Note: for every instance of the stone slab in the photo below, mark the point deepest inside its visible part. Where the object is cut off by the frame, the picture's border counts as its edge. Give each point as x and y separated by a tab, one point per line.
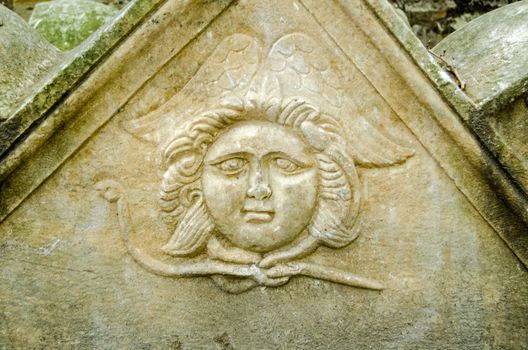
488	57
252	178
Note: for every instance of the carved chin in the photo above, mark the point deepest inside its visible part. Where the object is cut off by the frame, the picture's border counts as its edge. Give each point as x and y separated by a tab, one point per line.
260	233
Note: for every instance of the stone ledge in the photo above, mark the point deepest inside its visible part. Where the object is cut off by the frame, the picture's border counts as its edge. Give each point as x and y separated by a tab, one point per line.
71	71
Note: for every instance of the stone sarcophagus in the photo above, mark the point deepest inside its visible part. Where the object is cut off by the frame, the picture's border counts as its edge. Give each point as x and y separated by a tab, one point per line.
256	175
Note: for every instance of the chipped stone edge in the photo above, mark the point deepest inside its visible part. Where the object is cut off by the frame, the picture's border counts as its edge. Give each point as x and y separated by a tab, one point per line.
441	79
493	173
495	102
55	85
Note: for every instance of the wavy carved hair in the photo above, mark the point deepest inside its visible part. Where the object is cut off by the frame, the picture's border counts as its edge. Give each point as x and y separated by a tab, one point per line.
183	158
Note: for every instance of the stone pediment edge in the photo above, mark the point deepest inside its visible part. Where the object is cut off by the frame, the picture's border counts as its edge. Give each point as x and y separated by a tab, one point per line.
455	148
479	45
73	119
468	110
65	76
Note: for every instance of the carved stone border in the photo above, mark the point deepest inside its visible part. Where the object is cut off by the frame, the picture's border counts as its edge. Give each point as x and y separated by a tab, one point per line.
434	121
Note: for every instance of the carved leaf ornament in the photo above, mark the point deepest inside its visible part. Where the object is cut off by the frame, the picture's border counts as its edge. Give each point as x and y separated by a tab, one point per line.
260	173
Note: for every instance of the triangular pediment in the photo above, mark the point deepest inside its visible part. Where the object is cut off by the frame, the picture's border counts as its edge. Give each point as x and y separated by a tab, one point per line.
256	141
164	54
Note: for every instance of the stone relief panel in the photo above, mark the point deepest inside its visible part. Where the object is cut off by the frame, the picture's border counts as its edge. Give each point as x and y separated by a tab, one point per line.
261	172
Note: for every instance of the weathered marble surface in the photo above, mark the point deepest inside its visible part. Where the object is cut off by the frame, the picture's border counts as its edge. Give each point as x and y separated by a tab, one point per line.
25	57
483	152
507	133
29	113
68	279
189	103
488	56
489	59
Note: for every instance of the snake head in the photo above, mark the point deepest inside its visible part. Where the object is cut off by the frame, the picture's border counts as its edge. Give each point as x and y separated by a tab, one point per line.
110	190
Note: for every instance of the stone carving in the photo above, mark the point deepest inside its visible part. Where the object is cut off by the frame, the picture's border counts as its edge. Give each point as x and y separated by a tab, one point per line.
258	170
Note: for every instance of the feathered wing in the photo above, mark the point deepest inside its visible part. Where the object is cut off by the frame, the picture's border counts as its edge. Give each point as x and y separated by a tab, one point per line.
227	72
371	149
306	71
296	69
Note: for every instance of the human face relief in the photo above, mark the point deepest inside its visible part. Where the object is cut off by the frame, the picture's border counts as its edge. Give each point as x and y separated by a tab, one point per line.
260	185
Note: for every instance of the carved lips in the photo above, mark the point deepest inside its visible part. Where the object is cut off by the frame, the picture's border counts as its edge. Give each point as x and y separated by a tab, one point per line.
257	213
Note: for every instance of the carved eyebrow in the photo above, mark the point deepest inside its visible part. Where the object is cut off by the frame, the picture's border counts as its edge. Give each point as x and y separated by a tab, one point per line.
244	155
279	154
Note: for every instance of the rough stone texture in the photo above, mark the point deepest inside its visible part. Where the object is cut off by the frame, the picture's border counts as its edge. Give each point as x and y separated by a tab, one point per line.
7	3
47	92
449	86
486	58
25	57
499	182
507	135
24	9
67	279
67	23
170	102
432	21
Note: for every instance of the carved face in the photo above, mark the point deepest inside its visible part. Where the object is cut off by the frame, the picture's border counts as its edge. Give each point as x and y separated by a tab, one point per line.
260	185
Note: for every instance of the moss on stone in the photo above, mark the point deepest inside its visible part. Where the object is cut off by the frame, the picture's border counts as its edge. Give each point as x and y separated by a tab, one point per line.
64	76
67	23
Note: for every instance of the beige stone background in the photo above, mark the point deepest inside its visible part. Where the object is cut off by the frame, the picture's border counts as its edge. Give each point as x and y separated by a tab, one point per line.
67	280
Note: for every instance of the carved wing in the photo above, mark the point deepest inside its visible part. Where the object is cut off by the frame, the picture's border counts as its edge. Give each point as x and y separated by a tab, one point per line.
370	148
228	71
304	69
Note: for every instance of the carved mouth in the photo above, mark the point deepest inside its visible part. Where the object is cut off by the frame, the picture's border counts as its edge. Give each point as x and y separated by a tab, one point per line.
256	216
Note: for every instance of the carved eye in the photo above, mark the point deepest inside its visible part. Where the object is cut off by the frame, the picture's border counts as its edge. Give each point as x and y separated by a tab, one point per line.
231	166
286	165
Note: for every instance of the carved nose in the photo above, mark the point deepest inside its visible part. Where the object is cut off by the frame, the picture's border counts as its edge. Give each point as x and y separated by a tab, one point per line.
259	191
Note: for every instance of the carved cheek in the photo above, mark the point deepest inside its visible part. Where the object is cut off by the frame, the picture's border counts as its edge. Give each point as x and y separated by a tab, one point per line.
295	196
224	195
297	182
